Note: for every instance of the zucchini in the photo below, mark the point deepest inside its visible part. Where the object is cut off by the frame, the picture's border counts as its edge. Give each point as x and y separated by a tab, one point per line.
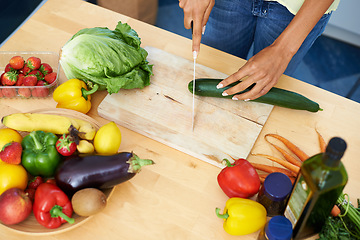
276	96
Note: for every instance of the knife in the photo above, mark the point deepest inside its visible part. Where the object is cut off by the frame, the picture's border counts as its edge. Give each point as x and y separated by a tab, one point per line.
193	100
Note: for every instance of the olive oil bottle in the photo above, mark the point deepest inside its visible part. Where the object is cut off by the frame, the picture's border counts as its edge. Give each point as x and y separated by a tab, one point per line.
319	184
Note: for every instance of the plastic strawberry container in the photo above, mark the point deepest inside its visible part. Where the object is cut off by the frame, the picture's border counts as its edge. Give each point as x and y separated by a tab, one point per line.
26	92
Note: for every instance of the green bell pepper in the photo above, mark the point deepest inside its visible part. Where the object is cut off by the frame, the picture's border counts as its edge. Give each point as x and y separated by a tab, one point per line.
39	156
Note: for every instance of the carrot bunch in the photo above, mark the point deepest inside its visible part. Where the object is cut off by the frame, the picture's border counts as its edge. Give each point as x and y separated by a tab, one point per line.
291	163
293	157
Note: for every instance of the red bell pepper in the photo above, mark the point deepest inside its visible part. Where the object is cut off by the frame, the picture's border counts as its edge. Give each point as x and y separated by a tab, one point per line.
52	206
239	179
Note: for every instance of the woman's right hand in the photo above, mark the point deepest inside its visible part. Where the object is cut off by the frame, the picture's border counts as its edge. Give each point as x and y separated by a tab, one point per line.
197	12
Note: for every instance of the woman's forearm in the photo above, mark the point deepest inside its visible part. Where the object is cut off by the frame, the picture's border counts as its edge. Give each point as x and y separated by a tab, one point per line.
301	25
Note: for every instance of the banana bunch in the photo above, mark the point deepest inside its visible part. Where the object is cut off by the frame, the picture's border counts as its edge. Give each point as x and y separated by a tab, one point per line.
56	124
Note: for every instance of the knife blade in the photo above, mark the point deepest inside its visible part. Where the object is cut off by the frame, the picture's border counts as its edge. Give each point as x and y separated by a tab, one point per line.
193	100
194	68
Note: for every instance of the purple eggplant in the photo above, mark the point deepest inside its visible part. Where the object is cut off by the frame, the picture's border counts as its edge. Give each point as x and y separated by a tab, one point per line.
97	171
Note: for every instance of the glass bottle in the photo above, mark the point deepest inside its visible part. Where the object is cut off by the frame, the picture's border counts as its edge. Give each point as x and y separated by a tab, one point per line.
321	180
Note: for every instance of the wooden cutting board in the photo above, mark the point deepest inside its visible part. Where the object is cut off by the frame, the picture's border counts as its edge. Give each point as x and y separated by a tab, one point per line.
163	112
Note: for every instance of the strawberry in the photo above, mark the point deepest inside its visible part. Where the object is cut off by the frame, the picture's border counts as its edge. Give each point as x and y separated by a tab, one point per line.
45	68
20	79
38	74
50	78
40	91
1	77
9	92
17	62
30	80
33	63
26	70
9	78
24	92
30	193
11	153
8	68
35	182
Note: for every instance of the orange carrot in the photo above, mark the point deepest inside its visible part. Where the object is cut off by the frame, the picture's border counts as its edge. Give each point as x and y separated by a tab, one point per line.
321	141
262	177
271	169
335	211
292	147
284	163
287	155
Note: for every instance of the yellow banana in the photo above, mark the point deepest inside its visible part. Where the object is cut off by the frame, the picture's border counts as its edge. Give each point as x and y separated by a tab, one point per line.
56	124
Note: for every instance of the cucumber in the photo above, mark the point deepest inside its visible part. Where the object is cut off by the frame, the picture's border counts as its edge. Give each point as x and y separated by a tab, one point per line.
276	96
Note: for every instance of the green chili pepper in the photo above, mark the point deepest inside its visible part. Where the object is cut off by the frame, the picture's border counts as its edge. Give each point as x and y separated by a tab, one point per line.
39	155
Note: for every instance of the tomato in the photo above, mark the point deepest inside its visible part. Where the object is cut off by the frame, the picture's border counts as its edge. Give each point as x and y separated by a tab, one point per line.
12	176
107	139
9	135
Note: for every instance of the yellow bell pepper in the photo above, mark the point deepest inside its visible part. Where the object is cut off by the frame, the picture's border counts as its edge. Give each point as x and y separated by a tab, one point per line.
73	94
242	216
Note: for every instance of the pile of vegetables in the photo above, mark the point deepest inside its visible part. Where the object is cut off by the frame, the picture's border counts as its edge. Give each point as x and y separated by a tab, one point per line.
63	178
240	180
107	59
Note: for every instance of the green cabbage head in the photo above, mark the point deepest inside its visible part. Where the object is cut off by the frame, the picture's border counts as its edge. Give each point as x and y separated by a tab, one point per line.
106	59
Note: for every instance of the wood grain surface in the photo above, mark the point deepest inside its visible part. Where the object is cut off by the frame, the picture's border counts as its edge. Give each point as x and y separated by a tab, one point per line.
163	112
175	198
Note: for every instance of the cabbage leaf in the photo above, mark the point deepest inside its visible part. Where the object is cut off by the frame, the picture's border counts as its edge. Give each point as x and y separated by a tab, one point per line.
107	59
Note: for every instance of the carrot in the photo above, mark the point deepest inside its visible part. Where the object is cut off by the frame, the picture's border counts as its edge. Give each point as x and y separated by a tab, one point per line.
292	179
335	211
292	147
287	155
284	163
271	169
262	177
321	141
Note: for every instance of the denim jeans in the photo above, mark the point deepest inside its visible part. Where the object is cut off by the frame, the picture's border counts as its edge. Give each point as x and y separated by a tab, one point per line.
235	25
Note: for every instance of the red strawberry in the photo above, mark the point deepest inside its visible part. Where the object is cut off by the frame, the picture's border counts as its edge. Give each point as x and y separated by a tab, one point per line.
33	63
11	153
45	68
38	74
9	78
1	77
20	79
24	92
31	193
40	90
17	62
26	70
51	77
9	92
8	68
30	80
35	182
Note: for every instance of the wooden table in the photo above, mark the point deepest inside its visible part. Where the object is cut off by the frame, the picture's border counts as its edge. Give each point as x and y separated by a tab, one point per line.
176	198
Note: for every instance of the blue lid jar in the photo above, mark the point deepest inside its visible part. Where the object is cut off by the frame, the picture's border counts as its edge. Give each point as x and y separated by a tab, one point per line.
274	193
279	228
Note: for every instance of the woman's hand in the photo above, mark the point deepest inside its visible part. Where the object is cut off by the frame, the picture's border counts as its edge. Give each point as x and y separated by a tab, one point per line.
197	12
264	69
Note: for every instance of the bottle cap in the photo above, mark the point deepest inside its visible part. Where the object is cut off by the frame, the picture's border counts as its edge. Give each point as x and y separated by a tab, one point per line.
279	228
277	186
335	151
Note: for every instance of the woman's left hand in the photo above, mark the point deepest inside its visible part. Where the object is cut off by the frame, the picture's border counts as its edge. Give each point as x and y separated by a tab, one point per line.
264	69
